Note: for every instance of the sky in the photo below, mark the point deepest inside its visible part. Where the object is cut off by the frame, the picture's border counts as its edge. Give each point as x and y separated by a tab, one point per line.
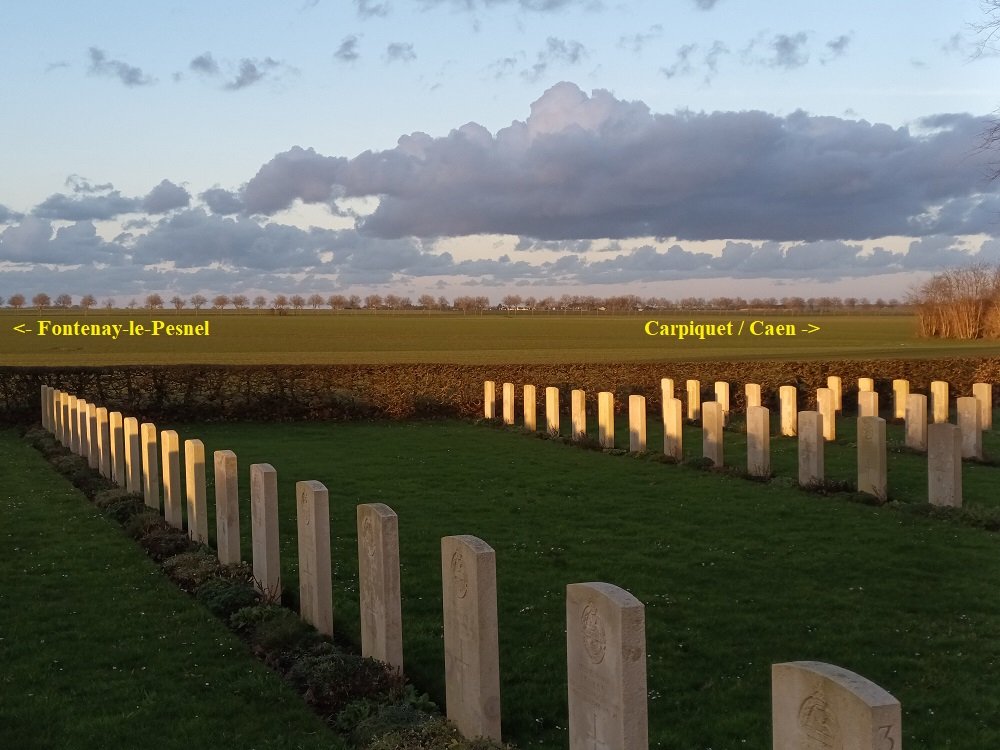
491	147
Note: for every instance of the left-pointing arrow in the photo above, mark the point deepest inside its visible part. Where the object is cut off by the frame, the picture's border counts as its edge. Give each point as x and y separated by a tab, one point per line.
21	328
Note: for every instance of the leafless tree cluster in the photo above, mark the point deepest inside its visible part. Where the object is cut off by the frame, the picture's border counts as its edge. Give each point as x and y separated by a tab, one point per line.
963	303
989	41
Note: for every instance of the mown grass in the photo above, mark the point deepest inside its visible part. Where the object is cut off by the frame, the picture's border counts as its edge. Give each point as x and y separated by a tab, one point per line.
99	650
735	575
322	337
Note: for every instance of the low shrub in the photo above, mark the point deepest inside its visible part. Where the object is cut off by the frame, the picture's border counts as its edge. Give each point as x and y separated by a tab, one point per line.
144	523
435	734
189	570
163	542
225	596
330	679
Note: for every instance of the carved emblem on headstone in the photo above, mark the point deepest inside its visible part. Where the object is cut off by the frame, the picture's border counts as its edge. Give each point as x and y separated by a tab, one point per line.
458	575
594	638
818	724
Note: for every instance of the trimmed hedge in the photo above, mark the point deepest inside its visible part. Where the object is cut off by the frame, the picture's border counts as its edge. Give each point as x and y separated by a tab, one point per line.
341	392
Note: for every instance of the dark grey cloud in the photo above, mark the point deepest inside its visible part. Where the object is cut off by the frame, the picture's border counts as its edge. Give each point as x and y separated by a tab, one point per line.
8	216
348	49
205	64
34	240
597	167
79	184
165	197
130	75
86	207
400	52
223	202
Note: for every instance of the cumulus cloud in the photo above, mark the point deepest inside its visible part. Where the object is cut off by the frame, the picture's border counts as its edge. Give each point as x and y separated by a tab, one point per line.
130	75
371	8
165	197
598	167
788	50
223	202
7	215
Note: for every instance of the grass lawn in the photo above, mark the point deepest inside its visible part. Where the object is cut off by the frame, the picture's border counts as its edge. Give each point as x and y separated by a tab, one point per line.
322	337
99	650
735	575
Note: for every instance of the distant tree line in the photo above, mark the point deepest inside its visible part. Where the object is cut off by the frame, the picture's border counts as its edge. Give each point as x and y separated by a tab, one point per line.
963	303
465	304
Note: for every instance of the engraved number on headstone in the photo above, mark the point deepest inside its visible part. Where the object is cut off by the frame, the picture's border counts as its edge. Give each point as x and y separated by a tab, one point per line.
885	741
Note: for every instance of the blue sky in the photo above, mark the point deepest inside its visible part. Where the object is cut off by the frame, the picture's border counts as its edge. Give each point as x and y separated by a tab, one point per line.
494	146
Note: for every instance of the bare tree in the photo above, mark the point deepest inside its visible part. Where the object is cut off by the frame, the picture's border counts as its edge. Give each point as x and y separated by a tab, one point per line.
41	300
87	301
64	301
178	302
259	302
426	301
109	303
353	302
297	301
239	301
280	302
198	300
336	301
315	300
220	301
16	301
989	31
373	301
963	303
154	302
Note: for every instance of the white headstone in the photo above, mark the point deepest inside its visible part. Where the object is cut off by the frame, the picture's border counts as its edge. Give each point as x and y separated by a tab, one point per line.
867	404
578	413
197	504
939	401
315	569
968	422
378	584
489	399
171	453
93	438
758	441
788	398
722	396
865	384
752	391
471	642
530	408
637	424
836	386
824	405
693	400
916	421
712	431
117	428
552	410
133	455
104	442
871	457
944	464
508	403
983	393
673	432
150	466
900	392
264	530
816	706
811	448
606	668
227	507
606	419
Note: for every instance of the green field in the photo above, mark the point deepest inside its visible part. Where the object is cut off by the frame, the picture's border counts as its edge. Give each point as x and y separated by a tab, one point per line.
735	574
492	338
